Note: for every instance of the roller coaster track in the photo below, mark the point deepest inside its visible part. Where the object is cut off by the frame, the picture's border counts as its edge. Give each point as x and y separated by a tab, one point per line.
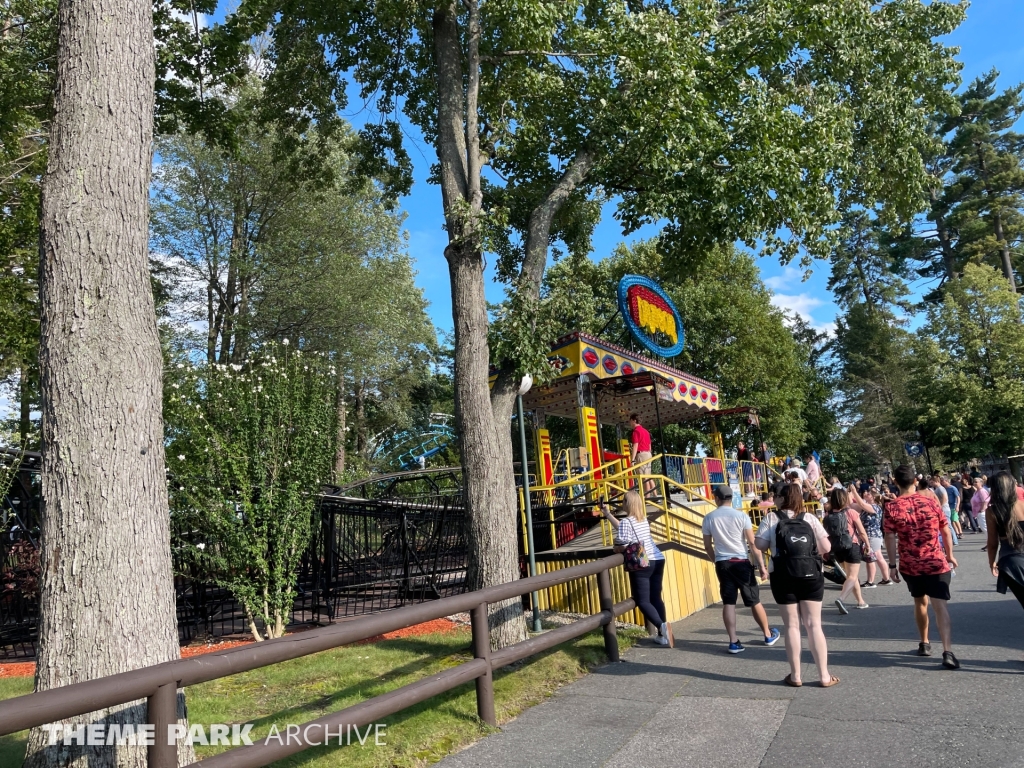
405	448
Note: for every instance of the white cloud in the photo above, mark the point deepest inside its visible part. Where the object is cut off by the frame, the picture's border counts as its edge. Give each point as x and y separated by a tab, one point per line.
791	276
201	18
800	305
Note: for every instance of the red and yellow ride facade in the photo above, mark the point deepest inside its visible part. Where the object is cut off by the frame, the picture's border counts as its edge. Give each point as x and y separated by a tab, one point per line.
599	384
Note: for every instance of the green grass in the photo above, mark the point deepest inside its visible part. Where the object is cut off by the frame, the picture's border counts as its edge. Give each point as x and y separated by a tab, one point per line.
306	689
12	748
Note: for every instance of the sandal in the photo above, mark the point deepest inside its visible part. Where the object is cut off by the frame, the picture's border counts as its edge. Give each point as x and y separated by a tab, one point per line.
789	681
830	683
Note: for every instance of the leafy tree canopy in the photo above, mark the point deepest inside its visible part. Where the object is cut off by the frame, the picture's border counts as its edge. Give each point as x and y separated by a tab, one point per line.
966	382
727	120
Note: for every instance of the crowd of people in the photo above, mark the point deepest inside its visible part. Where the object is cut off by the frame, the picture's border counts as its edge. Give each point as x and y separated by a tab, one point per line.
903	529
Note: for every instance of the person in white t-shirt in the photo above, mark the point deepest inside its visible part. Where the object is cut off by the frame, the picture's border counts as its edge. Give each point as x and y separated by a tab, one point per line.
729	542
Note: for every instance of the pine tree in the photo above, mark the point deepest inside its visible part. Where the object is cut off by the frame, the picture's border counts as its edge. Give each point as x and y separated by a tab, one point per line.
989	184
871	342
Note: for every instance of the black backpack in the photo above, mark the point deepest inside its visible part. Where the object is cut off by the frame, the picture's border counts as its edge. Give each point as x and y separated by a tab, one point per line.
796	551
837	527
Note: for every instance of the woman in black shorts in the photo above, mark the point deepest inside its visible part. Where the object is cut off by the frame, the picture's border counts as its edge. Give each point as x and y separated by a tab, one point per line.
849	558
1006	535
799	600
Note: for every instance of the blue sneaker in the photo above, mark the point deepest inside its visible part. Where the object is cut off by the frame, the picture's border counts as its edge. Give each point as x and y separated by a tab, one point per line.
736	647
773	638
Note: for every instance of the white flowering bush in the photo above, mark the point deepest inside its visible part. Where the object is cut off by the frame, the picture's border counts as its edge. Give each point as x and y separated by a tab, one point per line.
248	448
9	464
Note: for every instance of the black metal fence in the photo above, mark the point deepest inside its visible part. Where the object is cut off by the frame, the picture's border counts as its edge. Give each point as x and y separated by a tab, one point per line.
380	554
20	510
380	544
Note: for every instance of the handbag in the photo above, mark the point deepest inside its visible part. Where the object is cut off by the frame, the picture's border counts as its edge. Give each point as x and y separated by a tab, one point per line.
634	555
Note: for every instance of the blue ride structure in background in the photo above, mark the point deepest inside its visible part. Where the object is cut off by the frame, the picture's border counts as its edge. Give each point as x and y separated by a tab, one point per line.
409	448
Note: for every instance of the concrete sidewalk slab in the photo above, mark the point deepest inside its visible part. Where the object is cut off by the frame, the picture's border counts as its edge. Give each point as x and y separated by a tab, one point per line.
580	731
687	731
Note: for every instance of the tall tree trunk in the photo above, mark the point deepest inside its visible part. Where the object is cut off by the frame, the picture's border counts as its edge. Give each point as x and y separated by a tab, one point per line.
487	468
1004	252
240	348
945	241
489	485
107	593
340	409
231	289
360	416
211	328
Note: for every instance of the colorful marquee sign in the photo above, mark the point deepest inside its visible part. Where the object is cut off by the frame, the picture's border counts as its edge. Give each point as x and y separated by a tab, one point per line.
650	315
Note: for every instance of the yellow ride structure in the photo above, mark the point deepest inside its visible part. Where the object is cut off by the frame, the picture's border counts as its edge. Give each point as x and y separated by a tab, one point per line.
600	384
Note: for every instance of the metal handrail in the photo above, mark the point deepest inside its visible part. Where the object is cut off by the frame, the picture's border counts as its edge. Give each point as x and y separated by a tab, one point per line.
159	683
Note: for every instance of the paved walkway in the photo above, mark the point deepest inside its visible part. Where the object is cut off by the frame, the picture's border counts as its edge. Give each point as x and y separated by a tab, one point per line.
698	706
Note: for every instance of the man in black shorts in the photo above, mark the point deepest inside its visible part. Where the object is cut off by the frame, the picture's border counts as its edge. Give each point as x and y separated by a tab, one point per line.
912	523
729	542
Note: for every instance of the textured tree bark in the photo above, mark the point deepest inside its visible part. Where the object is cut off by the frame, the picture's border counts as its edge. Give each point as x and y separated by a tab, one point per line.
360	417
945	242
489	485
1004	253
211	328
483	414
107	593
487	469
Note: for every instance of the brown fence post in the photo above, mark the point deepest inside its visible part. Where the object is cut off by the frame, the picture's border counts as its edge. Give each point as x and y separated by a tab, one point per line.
604	592
161	712
482	650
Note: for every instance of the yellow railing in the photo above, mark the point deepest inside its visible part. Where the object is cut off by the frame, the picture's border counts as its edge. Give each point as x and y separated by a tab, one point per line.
614	485
696	474
689	576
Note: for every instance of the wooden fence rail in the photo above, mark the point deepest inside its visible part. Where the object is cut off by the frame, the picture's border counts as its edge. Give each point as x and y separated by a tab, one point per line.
158	684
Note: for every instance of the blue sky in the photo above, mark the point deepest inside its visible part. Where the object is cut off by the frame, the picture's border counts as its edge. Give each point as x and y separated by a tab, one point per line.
990	37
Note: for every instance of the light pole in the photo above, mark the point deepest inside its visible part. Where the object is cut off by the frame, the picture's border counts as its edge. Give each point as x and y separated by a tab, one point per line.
525	464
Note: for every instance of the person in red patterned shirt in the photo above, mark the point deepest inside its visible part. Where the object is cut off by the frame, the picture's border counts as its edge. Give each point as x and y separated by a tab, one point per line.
912	523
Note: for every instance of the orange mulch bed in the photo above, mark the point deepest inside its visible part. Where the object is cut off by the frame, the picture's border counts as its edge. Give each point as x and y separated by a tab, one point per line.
18	669
437	626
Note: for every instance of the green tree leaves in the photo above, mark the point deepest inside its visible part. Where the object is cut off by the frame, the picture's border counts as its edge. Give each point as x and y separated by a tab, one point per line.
248	449
966	387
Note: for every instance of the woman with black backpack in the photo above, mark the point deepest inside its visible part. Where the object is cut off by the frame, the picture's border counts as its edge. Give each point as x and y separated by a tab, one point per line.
797	541
849	545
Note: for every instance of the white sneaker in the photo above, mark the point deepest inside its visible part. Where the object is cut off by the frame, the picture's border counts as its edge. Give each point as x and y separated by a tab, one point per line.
661	640
666	632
